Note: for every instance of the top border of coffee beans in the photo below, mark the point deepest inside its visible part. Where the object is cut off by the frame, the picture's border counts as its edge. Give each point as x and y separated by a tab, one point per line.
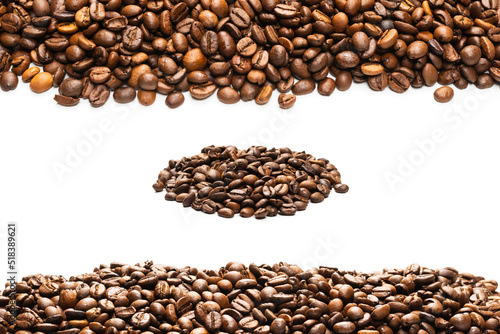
256	182
245	49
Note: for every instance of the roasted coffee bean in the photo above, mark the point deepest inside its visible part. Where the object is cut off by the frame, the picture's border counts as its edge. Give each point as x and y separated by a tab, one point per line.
372	69
30	73
228	95
470	55
398	82
8	81
203	91
378	82
100	75
71	87
343	81
286	101
124	95
98	96
416	50
148	81
484	81
264	95
174	100
430	74
41	82
146	97
66	101
443	94
304	86
261	188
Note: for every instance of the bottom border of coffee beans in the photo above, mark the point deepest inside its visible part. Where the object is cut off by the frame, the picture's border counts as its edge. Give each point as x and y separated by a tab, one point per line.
236	299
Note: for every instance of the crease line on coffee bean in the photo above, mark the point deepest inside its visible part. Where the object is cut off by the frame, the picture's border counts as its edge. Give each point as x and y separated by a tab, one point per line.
245	49
257	182
236	299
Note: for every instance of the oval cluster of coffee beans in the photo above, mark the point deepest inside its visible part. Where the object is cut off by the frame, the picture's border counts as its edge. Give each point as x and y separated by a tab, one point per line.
254	182
279	299
245	49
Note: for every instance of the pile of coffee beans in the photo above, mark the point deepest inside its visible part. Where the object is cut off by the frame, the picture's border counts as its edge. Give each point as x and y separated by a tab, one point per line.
245	49
235	299
254	182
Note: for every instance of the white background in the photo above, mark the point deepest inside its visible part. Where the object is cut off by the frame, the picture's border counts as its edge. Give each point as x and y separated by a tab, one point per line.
442	212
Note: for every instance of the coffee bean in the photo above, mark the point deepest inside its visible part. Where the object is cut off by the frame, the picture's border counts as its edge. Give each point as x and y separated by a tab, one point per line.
484	81
443	94
264	95
347	59
341	188
174	100
388	39
148	81
378	82
41	82
98	96
225	213
470	55
417	49
194	60
304	86
71	87
8	81
146	97
30	73
286	101
398	82
228	95
461	322
443	34
430	74
124	95
246	47
372	69
343	81
201	92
